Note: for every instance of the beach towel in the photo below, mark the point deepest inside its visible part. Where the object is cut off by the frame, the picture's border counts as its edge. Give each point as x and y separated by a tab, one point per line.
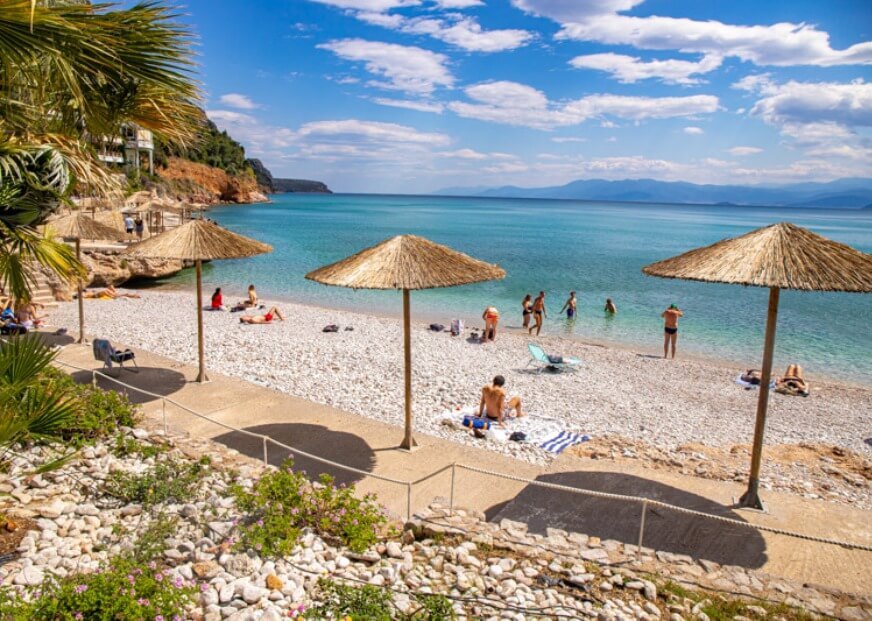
749	385
562	441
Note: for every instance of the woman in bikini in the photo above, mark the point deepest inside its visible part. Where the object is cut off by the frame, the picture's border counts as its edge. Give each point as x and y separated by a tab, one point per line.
491	318
265	318
539	313
527	309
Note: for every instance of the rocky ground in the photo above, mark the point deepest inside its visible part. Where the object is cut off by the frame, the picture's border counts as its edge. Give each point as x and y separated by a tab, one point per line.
816	471
490	571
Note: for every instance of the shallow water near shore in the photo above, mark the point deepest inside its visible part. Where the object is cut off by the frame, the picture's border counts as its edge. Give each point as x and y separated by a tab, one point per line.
596	249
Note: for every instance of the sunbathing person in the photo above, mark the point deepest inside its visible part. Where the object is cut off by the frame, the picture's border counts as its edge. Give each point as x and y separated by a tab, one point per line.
217	300
109	293
265	318
27	316
493	402
792	382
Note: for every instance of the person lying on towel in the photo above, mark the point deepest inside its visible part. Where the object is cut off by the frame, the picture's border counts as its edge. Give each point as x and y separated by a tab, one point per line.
792	382
493	402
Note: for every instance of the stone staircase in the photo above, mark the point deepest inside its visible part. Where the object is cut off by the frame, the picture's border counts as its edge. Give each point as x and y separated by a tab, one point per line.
42	293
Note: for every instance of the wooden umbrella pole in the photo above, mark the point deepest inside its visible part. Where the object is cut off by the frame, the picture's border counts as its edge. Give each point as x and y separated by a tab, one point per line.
79	288
201	377
408	440
751	498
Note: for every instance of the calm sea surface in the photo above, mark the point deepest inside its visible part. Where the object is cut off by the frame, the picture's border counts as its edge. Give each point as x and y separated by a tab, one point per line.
597	249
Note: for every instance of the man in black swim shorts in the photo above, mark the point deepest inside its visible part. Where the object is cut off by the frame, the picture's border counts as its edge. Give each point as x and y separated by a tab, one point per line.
670	318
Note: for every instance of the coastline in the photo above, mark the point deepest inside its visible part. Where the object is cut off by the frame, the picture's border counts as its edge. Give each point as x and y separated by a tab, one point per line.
424	317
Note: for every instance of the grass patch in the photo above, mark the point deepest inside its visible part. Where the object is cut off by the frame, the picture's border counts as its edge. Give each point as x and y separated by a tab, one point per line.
166	481
127	446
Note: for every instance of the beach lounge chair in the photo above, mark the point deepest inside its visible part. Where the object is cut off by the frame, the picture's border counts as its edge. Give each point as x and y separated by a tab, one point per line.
543	360
105	353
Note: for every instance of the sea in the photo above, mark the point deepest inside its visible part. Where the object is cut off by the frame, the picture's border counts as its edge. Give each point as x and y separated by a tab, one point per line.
597	249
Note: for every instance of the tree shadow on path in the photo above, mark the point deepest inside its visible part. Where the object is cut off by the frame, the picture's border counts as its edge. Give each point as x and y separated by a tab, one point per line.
338	446
157	380
665	529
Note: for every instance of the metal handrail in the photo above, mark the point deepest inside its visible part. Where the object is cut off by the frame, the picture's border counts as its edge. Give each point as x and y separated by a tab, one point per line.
409	485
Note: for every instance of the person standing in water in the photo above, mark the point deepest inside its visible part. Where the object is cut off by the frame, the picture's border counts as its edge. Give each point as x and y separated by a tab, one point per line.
611	309
539	313
527	309
670	329
571	306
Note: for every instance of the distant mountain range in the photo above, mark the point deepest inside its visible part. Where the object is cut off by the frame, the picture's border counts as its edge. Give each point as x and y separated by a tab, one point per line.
852	193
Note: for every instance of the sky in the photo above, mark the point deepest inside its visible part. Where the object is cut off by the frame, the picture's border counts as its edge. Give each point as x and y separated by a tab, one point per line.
411	96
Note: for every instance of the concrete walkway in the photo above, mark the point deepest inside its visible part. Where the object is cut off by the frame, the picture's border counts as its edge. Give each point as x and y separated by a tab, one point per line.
371	446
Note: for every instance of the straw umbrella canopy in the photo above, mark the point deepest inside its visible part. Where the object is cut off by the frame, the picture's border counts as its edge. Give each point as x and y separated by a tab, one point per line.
198	241
406	262
78	226
779	256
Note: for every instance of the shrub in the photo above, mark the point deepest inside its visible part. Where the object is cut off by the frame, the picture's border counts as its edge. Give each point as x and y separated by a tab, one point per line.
121	590
100	414
360	603
283	502
125	446
167	481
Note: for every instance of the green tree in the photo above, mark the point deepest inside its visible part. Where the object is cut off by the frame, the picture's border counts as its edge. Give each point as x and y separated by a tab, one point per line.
71	73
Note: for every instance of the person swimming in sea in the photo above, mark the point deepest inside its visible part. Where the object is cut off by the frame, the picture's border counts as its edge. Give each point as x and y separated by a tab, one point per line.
611	309
571	306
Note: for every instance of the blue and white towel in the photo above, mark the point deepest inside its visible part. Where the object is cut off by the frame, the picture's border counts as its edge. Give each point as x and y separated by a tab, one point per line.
562	441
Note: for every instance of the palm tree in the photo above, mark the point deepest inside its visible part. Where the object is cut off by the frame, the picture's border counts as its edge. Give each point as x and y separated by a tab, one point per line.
71	73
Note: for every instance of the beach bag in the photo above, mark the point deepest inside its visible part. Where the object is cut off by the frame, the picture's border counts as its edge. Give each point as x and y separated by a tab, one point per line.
331	328
518	436
437	327
474	422
456	326
555	359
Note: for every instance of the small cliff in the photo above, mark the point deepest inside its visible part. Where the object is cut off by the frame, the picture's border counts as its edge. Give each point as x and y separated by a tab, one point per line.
272	185
208	184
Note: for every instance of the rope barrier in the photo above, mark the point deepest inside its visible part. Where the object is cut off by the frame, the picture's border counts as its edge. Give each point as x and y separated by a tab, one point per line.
646	502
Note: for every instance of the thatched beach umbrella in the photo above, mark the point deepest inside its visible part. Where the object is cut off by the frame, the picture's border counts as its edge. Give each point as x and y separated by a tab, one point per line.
406	262
198	241
779	256
78	226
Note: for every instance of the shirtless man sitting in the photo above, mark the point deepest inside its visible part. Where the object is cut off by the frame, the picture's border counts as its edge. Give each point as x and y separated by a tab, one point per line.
493	402
265	318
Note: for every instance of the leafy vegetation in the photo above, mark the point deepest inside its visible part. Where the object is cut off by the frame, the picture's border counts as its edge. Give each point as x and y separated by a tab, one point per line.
726	609
282	503
212	147
71	73
125	446
370	603
167	481
124	590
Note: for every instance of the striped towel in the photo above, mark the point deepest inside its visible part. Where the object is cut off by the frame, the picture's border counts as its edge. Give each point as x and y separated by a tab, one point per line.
563	440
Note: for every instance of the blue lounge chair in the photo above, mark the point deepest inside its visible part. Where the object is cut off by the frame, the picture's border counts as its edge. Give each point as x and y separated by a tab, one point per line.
543	360
105	353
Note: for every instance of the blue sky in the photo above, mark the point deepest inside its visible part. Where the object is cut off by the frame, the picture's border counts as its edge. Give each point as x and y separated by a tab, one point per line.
416	95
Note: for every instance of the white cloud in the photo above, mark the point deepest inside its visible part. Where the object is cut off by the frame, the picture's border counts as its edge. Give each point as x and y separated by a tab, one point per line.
420	106
512	103
455	29
630	69
464	154
563	139
236	100
694	131
406	68
250	131
458	4
781	44
371	131
369	5
739	151
805	102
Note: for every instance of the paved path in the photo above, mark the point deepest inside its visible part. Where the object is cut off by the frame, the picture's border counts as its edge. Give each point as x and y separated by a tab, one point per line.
371	446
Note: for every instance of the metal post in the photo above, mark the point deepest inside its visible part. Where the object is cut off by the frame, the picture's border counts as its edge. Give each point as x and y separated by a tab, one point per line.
265	455
451	497
751	497
94	379
408	501
642	524
81	294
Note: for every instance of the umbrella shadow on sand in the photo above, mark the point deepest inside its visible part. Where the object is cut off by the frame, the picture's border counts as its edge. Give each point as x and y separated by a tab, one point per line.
157	380
665	530
338	446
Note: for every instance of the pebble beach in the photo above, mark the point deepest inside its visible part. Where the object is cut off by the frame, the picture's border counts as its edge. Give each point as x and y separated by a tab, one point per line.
616	391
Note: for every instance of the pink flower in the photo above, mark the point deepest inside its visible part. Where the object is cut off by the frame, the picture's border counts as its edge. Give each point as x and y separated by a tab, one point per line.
260	522
79	616
142	601
159	618
178	582
81	588
205	588
158	576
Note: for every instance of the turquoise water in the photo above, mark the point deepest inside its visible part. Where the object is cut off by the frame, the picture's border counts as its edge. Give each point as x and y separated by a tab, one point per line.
597	249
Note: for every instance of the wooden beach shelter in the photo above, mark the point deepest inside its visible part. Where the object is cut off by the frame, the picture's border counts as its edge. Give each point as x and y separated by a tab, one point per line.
78	226
198	241
779	256
406	262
